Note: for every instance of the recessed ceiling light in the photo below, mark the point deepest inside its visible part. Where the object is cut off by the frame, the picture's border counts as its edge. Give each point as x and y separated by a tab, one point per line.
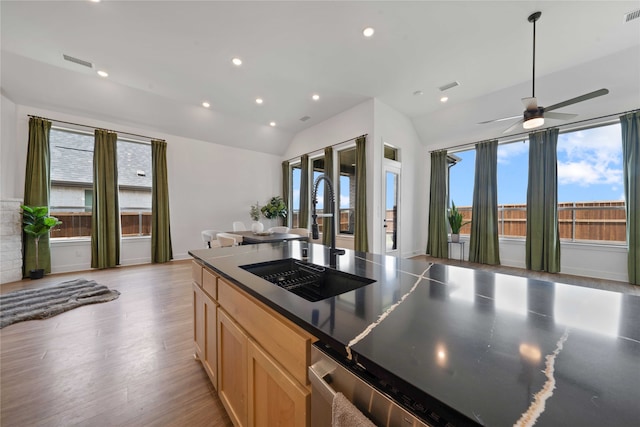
205	104
368	32
315	97
237	61
259	101
95	1
444	99
272	124
418	93
103	73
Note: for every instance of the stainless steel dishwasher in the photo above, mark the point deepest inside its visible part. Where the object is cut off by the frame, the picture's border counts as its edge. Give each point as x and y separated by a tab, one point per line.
329	376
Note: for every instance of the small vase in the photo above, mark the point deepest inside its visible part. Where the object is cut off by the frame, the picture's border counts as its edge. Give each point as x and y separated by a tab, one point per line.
257	227
455	238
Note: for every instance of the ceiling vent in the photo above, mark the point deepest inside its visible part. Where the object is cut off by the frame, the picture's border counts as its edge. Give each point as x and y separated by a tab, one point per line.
77	61
630	16
448	86
304	119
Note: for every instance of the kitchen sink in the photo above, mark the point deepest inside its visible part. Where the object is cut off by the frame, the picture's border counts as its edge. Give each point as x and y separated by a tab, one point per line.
309	281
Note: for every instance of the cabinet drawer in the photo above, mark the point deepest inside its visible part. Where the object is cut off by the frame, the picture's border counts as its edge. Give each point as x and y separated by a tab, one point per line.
210	283
196	272
282	339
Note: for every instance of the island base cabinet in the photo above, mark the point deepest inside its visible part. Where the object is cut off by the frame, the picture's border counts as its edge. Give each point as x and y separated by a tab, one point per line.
205	332
198	321
275	398
232	368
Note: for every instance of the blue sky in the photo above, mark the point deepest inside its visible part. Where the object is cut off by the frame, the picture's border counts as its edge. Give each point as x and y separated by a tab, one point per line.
589	169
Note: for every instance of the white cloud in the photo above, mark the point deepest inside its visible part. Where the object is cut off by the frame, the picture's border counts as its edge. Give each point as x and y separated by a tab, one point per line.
592	156
507	151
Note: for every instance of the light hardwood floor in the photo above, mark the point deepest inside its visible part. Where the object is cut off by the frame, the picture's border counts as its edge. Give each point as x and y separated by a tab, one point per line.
127	362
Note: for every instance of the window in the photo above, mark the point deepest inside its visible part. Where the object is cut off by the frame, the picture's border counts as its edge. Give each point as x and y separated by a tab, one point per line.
590	185
71	195
295	195
391	153
461	177
591	204
513	166
317	166
347	190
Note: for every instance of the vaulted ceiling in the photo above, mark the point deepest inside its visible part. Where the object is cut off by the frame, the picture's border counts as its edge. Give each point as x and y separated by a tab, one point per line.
164	58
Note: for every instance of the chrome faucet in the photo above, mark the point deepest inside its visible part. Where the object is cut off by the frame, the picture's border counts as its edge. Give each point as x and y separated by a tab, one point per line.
333	252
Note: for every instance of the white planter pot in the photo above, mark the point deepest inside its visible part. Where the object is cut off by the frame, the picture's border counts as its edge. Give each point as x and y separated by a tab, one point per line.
455	238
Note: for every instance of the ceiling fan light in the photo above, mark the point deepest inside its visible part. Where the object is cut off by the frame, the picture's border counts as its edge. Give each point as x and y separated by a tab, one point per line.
533	122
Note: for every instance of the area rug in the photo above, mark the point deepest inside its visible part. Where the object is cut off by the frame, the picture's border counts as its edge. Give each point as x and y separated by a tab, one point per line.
43	303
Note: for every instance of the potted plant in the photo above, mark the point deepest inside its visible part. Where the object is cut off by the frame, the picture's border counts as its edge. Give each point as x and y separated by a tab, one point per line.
254	213
455	221
36	222
275	208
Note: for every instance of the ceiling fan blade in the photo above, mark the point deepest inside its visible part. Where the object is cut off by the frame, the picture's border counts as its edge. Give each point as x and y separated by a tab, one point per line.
530	103
577	99
513	126
559	116
500	120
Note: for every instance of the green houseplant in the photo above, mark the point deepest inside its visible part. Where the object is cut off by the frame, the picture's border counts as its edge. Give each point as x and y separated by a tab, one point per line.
275	208
456	222
254	213
37	222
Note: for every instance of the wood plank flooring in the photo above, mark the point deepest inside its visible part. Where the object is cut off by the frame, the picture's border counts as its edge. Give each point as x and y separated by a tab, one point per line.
127	362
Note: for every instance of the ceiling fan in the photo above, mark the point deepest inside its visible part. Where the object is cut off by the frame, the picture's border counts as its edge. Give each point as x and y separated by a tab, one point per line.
534	114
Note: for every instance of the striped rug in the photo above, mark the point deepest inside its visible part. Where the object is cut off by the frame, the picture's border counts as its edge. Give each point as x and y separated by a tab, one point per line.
43	303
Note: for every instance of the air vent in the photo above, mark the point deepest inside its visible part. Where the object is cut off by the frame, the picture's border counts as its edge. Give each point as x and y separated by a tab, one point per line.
77	61
448	86
304	119
630	16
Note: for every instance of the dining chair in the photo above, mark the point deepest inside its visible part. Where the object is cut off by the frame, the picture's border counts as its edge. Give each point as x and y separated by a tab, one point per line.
300	232
209	238
279	229
229	239
239	226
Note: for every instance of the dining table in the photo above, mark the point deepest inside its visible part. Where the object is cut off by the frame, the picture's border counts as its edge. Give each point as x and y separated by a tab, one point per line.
250	237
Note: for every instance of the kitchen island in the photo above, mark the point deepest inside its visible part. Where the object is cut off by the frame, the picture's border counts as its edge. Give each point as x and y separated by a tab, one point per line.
471	346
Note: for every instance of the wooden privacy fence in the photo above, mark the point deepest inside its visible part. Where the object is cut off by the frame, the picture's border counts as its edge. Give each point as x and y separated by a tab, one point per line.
78	224
584	221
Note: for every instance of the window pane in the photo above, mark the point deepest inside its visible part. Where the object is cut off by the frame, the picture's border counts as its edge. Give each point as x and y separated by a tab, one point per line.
590	186
461	176
390	153
317	166
347	190
71	195
295	196
513	166
134	182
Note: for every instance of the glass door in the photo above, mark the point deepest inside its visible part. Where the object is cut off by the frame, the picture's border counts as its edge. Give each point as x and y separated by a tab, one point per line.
390	215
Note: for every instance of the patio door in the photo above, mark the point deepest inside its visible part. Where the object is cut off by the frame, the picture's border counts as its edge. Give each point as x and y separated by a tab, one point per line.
391	210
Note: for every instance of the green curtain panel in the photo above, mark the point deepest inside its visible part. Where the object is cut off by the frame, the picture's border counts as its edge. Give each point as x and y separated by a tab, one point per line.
483	244
285	191
327	223
361	235
161	250
303	219
437	245
630	124
543	237
36	192
105	220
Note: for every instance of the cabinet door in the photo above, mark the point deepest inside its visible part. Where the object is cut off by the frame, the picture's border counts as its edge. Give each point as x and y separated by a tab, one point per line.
210	341
275	397
198	321
232	368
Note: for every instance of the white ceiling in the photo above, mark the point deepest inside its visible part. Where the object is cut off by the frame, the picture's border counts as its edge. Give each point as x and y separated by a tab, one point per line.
165	57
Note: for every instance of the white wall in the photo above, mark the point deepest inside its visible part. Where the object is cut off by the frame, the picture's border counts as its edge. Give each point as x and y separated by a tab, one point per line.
210	186
394	128
8	147
347	125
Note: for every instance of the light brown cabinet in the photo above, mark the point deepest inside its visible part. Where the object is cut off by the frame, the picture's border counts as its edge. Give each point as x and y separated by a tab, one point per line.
261	358
232	368
205	320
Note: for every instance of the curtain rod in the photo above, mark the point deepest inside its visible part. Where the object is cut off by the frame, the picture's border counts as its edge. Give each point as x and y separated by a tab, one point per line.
332	145
93	127
472	144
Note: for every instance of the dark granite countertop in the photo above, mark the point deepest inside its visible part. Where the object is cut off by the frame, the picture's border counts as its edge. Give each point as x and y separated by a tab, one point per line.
500	350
